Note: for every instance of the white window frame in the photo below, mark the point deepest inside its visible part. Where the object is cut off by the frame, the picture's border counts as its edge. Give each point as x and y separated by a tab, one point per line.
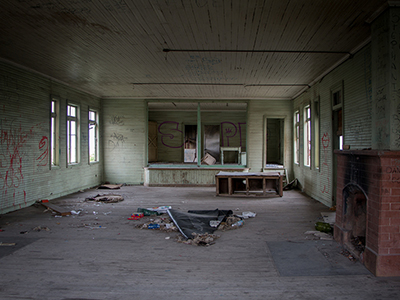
72	137
54	132
93	143
296	143
307	143
315	113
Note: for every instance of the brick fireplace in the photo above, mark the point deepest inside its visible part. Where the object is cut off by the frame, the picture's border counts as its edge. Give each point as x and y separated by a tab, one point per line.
368	208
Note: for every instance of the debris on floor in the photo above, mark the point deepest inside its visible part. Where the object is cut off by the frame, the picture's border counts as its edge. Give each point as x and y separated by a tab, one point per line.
106	198
205	239
110	186
318	235
40	228
196	227
7	244
55	208
346	253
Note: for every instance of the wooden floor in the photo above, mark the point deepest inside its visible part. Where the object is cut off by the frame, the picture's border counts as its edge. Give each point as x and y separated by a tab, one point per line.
99	254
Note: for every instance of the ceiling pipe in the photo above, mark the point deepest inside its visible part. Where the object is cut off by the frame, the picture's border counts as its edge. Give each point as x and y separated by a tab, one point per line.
257	51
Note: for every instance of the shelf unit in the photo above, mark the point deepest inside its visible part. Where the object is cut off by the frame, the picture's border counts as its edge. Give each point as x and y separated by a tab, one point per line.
248	184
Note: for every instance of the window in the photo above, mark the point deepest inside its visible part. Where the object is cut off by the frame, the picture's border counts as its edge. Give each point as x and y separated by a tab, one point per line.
93	137
297	137
72	134
307	136
54	132
316	138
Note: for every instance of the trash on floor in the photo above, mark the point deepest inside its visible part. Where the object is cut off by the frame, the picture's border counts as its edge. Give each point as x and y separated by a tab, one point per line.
110	186
7	244
160	209
40	228
329	217
205	239
136	216
318	235
55	208
196	227
198	221
106	198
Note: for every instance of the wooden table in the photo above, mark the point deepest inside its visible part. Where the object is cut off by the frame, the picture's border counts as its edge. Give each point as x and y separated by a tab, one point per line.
248	184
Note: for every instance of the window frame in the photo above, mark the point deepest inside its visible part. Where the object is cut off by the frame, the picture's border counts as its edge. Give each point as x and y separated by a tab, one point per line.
54	132
315	114
307	135
68	134
94	123
296	142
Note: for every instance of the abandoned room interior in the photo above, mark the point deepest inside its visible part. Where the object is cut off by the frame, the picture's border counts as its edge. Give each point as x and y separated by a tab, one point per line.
154	94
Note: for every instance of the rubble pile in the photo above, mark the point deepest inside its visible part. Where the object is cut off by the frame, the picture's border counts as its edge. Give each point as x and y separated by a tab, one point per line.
205	239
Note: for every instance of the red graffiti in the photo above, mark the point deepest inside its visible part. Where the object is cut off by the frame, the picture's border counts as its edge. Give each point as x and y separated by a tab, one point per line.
44	148
13	138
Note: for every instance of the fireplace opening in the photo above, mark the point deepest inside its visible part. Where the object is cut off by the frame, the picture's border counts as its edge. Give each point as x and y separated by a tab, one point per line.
355	219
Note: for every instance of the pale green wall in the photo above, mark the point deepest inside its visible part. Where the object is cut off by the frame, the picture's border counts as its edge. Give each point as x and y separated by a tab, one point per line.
25	173
258	111
355	75
124	139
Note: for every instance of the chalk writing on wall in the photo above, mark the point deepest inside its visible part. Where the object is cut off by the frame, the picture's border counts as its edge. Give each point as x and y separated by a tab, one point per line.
325	174
117	120
116	140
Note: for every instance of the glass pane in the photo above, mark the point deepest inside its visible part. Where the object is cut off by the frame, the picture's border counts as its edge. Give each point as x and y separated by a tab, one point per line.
71	111
92	116
92	143
53	138
53	106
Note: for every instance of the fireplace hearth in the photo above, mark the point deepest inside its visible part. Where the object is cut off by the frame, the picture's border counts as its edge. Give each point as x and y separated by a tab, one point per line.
368	208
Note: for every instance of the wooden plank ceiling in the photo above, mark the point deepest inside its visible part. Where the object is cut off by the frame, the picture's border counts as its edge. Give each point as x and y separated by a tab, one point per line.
181	49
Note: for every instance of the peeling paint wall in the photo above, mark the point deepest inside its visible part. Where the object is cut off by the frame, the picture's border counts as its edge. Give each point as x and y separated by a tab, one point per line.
25	148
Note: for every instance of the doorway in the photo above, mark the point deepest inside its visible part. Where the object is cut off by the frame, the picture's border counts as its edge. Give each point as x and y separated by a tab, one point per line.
274	145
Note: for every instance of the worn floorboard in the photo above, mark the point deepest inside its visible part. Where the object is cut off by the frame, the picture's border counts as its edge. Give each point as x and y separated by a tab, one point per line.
78	259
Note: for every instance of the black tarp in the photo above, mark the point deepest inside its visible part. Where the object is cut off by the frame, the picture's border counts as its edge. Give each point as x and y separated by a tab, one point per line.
197	221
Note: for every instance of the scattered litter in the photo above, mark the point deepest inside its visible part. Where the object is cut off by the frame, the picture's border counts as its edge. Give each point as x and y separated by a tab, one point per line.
238	223
55	208
348	255
227	225
247	214
107	213
110	186
23	232
167	238
95	227
40	228
136	216
7	244
205	239
147	212
318	235
106	198
74	212
329	217
160	209
215	223
153	226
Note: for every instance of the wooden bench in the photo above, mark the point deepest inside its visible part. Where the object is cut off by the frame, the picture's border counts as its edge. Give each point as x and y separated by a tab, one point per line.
248	184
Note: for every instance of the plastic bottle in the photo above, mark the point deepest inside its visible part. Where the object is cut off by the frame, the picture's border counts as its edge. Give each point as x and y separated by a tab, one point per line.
238	223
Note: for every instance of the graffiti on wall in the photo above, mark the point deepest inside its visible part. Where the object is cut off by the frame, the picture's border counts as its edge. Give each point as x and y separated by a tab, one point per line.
13	139
171	135
44	152
325	173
